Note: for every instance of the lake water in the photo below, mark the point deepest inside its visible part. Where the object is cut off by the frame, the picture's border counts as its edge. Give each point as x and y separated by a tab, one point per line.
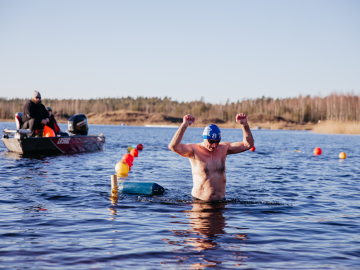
284	209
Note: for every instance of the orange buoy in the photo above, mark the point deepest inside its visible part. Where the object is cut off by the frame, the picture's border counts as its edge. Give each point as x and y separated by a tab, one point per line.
139	147
342	155
122	168
317	151
129	157
134	152
252	149
48	132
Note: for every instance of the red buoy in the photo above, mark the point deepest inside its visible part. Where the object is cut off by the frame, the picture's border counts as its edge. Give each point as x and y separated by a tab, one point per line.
140	147
127	161
252	149
317	151
134	152
129	157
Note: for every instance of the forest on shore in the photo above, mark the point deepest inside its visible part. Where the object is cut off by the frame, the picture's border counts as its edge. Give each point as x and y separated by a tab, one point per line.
336	107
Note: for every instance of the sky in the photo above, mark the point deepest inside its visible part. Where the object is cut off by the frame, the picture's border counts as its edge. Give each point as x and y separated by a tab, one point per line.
185	50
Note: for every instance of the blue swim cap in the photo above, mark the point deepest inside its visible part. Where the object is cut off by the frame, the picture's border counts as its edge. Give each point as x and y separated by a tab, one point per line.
212	132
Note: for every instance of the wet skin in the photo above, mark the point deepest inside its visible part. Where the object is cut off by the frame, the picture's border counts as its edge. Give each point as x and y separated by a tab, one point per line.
208	160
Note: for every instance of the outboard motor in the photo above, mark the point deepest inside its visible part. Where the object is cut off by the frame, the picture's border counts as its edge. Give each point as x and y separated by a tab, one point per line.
78	124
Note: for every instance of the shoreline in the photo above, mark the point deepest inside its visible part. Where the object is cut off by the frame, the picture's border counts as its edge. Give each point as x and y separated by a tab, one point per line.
325	127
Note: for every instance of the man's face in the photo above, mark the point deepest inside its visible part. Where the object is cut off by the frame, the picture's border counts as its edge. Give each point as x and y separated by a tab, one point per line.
37	100
211	145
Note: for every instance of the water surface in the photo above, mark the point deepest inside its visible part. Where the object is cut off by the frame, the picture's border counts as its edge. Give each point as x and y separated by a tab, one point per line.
284	209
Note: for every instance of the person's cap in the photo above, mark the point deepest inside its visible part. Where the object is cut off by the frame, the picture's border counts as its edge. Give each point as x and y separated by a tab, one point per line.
36	94
49	109
212	132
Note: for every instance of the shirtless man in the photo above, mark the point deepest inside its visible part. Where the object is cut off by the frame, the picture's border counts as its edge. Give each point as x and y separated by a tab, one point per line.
207	158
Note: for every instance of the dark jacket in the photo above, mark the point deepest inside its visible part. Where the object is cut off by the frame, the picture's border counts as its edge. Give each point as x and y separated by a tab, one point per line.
52	124
36	111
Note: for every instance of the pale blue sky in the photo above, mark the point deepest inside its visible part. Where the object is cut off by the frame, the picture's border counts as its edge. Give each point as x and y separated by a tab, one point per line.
185	50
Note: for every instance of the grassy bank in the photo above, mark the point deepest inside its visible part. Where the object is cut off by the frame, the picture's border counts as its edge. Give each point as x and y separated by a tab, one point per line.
255	121
7	120
337	127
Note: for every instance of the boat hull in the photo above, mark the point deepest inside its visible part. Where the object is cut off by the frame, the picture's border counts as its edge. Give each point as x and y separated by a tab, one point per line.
54	145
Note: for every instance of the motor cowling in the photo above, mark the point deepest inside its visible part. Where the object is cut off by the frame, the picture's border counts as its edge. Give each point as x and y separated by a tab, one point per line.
78	124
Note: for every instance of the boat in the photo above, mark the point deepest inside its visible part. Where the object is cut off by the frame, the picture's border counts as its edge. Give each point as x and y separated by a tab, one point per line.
75	140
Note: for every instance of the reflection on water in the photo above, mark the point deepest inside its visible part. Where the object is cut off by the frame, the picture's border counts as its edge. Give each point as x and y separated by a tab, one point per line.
11	155
206	223
206	235
18	156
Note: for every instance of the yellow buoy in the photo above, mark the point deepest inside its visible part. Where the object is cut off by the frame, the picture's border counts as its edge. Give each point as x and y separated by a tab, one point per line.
130	148
342	155
121	168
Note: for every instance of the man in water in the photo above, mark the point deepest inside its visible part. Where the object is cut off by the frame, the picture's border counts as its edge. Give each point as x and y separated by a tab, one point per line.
35	116
207	158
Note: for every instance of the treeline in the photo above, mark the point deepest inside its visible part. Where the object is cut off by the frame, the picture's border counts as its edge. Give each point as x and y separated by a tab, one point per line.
336	107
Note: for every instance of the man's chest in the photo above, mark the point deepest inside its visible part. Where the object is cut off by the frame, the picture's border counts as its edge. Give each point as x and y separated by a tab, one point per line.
209	164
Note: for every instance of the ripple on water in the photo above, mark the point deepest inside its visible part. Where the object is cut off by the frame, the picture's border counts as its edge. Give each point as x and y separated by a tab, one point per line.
283	210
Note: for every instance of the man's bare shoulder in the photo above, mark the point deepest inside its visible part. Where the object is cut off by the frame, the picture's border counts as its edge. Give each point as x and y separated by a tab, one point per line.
224	144
197	147
193	145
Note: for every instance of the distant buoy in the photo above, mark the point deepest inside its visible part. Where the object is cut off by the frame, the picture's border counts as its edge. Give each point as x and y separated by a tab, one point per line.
121	168
129	148
129	157
134	152
48	132
252	149
342	155
139	147
317	151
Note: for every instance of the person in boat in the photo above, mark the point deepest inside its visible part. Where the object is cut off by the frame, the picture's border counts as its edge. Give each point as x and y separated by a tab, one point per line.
35	115
52	122
207	158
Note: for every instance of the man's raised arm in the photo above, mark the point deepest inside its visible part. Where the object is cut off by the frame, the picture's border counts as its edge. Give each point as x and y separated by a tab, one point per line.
175	144
248	140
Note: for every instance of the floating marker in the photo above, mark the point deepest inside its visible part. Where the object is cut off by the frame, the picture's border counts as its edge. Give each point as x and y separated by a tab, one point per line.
342	155
139	147
252	149
113	181
134	152
317	151
114	189
129	157
127	161
122	168
141	188
129	148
